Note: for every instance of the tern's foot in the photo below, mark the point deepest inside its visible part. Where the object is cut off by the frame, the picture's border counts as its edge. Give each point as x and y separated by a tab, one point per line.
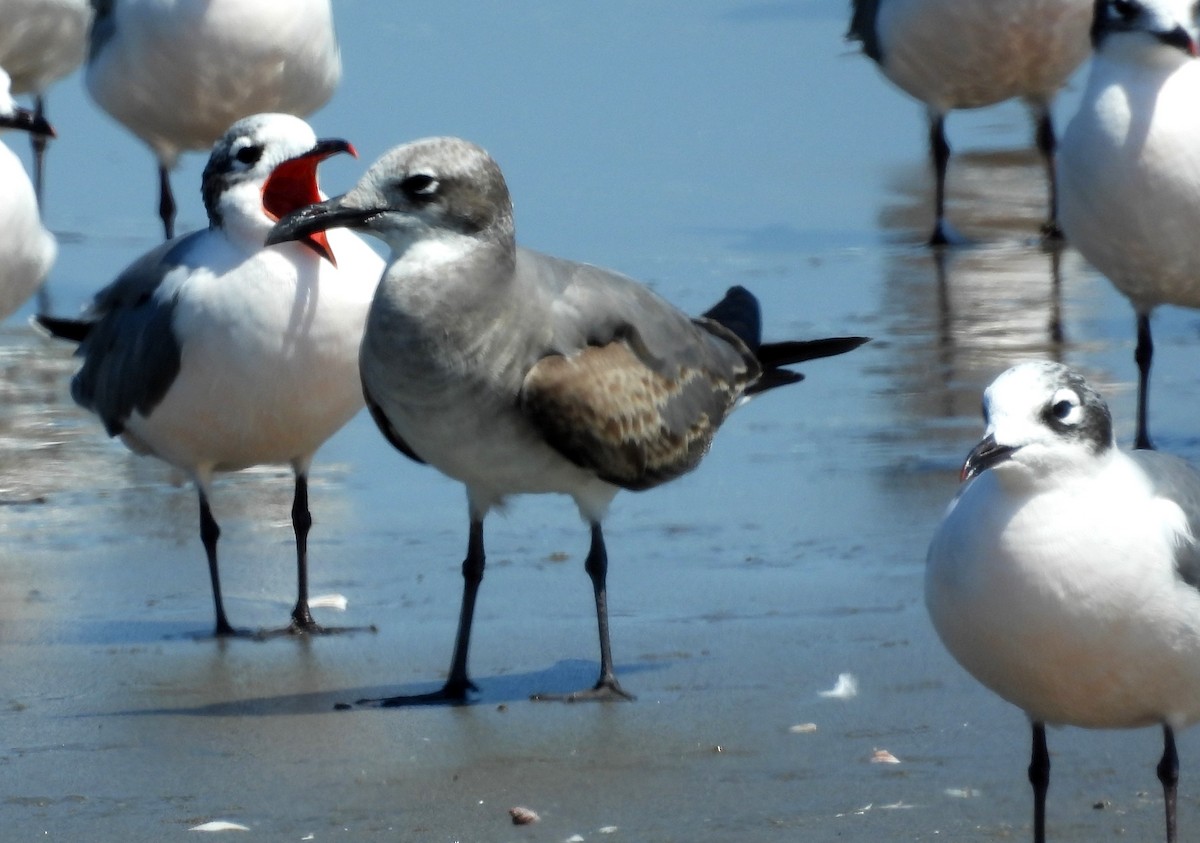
225	631
296	629
1052	233
454	692
608	689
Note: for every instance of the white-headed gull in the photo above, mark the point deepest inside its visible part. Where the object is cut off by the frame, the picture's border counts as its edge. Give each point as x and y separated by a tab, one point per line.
1066	575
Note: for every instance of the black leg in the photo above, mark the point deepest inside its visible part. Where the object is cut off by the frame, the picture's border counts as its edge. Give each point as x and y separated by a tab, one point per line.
606	688
940	150
1168	774
1057	334
457	683
166	202
1143	356
302	619
209	533
1047	145
39	142
1039	777
303	622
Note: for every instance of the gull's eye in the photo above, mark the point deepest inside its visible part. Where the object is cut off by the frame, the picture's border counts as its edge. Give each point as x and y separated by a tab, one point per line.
1127	9
419	187
1065	407
249	155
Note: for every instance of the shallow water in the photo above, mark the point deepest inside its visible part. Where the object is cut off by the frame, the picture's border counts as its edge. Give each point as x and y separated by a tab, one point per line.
692	145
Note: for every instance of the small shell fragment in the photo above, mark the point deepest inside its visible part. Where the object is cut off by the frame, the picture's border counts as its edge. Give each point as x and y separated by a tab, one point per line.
882	756
523	816
845	688
219	825
329	601
803	728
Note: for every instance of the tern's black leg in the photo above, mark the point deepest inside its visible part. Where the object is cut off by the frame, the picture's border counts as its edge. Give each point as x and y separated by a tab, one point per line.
303	622
1168	774
607	688
1039	777
39	141
1143	356
209	533
939	148
301	524
1047	145
166	202
457	683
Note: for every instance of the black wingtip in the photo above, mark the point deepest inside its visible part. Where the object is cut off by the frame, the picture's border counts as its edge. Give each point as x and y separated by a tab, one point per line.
74	330
739	312
773	354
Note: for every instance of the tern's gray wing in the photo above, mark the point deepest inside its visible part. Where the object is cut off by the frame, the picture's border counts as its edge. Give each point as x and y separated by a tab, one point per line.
1176	480
862	26
631	388
131	355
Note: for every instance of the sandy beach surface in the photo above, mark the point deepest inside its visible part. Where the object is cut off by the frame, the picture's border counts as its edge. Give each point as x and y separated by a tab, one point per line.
767	609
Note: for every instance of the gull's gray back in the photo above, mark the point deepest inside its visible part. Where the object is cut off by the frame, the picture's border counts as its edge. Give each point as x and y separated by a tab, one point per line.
1176	480
629	387
131	355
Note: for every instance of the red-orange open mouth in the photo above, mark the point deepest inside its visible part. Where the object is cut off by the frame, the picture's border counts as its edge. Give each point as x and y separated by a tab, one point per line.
293	185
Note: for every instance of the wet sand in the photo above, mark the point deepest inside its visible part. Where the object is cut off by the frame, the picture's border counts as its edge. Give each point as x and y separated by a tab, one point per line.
707	148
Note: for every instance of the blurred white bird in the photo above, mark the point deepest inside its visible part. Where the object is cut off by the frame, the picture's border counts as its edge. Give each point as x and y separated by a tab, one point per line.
214	353
954	54
177	73
27	249
1130	165
41	41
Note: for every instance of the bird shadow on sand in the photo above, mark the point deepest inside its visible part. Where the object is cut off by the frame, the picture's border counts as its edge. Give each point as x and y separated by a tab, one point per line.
563	677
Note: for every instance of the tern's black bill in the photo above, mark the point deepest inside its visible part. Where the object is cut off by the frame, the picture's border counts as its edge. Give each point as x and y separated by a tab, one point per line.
983	456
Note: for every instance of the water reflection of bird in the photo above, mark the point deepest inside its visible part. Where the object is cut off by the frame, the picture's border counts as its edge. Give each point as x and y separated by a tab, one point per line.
1066	575
515	372
955	54
1130	165
214	353
41	41
27	249
961	313
177	73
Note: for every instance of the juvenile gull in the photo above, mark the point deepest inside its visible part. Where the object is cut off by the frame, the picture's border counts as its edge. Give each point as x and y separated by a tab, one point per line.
515	372
177	73
1130	165
1066	575
215	353
954	54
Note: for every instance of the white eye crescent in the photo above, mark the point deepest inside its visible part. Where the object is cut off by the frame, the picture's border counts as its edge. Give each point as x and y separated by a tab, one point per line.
1066	407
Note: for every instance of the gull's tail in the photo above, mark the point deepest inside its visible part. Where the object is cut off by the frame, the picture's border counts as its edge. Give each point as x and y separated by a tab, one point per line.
740	313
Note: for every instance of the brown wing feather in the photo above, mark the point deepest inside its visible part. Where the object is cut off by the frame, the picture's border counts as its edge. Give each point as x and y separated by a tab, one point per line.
607	410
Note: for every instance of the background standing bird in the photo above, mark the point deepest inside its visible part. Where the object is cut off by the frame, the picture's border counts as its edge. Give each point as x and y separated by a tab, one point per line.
955	54
1066	575
515	372
1130	165
177	73
214	353
41	41
27	249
